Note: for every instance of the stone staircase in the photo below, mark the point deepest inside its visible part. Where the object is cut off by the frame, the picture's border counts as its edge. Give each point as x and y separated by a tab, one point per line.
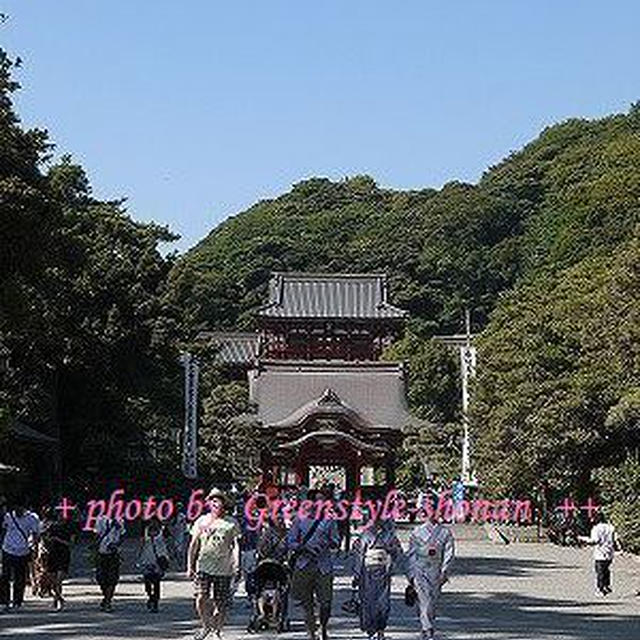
470	532
505	534
496	533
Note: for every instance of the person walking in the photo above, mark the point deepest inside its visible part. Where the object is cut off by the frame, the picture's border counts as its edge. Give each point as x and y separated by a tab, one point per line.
458	491
21	532
272	539
604	542
33	577
430	555
179	532
57	537
248	545
153	559
109	533
376	551
344	524
213	561
311	541
37	575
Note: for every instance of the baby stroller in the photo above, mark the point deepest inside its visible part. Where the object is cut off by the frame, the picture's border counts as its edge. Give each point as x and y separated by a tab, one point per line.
271	594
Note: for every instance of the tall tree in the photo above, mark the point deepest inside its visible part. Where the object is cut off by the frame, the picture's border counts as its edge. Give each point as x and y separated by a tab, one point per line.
84	313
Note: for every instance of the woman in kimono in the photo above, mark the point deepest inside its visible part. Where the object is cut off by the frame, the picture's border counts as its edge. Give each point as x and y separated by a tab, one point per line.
431	552
375	552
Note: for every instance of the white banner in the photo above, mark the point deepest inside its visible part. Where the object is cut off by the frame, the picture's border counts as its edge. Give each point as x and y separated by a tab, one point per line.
468	366
190	439
468	369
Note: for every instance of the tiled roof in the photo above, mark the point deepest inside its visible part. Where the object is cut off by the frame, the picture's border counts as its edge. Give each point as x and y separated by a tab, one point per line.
23	431
456	340
332	436
287	392
233	347
322	295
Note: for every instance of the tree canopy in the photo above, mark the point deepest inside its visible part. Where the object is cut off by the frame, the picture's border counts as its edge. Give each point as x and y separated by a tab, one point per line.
84	317
544	250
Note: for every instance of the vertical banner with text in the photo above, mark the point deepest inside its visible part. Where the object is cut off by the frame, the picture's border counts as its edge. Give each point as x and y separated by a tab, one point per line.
190	439
468	367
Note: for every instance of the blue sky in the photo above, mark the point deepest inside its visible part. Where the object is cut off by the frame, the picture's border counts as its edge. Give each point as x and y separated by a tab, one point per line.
195	110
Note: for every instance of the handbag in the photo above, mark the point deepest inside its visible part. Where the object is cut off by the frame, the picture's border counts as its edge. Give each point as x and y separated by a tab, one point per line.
161	561
111	547
410	595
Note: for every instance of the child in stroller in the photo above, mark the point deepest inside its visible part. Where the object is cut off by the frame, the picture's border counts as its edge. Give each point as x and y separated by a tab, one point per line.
271	584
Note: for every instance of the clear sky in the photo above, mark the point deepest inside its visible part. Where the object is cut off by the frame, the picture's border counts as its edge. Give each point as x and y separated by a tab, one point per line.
194	110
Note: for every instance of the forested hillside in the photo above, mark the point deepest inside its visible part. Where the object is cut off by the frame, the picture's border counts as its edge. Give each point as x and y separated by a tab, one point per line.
570	194
544	250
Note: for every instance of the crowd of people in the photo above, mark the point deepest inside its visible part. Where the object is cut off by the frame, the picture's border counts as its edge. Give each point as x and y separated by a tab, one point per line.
36	552
280	560
296	560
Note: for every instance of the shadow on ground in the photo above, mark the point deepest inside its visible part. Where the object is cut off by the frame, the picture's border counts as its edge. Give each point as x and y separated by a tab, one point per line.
481	614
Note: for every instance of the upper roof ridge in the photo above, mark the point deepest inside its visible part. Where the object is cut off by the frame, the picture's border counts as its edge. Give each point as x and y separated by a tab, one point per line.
303	294
311	275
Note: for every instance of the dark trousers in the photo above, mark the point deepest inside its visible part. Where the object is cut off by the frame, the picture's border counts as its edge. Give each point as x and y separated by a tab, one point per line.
13	568
152	587
307	585
603	575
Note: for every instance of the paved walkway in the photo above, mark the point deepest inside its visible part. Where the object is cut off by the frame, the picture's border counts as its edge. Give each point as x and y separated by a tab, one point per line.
520	591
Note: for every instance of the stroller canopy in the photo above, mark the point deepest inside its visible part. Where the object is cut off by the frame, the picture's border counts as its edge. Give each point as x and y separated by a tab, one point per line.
269	570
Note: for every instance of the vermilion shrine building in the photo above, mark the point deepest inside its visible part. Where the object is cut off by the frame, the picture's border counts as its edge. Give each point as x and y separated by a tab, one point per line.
329	409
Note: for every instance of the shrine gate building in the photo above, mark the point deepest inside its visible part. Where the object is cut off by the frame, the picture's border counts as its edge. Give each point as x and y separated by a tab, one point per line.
329	410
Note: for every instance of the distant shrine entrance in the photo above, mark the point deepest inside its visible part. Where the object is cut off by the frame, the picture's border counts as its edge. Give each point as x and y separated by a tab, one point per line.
329	410
326	474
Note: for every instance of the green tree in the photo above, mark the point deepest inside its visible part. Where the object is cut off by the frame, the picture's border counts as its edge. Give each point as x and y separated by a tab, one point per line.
229	434
434	391
556	392
84	312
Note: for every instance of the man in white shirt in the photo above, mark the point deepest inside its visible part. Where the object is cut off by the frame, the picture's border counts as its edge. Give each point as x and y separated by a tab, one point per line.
603	540
213	561
21	530
109	533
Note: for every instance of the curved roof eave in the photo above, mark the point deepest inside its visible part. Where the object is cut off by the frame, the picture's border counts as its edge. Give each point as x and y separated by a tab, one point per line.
327	433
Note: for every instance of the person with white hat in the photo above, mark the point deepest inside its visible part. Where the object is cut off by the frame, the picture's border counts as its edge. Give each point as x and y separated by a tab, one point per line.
213	561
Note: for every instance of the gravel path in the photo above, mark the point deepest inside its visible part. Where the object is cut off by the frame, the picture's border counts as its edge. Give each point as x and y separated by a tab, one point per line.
519	591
